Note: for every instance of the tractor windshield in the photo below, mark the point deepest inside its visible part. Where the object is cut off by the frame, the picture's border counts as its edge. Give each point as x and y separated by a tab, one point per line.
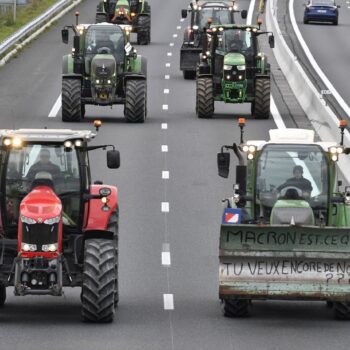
292	172
36	161
236	40
105	40
218	16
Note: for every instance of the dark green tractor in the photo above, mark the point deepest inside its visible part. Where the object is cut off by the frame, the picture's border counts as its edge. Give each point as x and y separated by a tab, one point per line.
136	13
103	69
233	70
201	12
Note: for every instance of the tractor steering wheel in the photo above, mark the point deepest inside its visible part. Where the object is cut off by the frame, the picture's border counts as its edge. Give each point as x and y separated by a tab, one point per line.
104	50
285	189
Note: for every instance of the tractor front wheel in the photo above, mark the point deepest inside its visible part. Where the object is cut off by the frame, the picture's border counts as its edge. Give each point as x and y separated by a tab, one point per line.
2	294
144	30
341	310
98	281
71	100
135	101
205	98
236	308
261	104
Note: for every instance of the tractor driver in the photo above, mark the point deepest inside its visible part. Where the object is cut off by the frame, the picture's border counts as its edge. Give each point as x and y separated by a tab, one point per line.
298	181
44	165
237	44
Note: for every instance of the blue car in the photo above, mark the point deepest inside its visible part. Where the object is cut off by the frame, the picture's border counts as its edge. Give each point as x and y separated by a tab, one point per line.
321	11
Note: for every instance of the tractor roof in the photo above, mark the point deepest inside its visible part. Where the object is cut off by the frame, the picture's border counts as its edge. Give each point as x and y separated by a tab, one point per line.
235	26
48	135
291	136
208	3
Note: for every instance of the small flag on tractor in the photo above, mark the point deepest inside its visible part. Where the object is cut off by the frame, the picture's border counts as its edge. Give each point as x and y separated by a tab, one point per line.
232	216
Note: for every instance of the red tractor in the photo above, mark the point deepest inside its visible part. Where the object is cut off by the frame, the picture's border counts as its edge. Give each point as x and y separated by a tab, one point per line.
57	229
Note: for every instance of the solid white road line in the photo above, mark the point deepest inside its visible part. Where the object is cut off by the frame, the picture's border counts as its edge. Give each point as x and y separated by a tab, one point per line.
313	62
276	114
168	301
165	174
165	148
56	107
165	207
166	259
164	126
250	12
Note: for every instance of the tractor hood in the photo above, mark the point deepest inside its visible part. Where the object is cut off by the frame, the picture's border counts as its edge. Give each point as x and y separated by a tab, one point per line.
234	59
103	66
41	204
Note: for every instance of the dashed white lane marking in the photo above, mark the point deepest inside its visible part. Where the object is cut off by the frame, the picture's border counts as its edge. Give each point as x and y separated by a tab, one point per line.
171	44
174	35
165	107
165	174
168	301
182	20
165	148
56	107
169	54
167	77
164	126
166	91
167	65
178	27
166	259
165	207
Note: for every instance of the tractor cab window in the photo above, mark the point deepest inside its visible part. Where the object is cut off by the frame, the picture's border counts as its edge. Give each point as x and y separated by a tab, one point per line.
105	40
237	40
50	162
218	16
293	172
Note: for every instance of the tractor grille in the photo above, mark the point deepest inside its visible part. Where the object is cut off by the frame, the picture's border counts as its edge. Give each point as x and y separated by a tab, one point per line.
39	234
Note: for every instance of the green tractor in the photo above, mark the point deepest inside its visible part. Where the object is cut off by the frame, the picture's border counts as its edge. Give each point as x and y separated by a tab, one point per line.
202	11
285	231
233	70
136	13
103	69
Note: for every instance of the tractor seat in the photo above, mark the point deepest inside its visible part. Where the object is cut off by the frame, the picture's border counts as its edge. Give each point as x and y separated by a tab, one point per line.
286	209
43	178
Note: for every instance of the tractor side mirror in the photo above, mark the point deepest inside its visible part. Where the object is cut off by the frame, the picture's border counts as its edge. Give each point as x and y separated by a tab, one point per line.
272	41
184	13
244	14
113	159
65	35
223	164
338	6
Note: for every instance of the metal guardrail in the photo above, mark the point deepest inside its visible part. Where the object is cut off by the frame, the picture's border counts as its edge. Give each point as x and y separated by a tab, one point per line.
32	26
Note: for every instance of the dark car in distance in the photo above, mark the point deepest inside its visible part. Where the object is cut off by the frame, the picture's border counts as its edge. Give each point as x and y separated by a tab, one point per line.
321	11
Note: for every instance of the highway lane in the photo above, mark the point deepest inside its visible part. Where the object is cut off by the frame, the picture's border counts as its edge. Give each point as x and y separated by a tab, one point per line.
329	45
29	86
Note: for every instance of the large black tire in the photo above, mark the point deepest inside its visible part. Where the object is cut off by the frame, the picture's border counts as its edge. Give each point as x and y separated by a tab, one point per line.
113	226
98	281
71	100
135	109
261	104
144	30
189	74
147	8
204	98
101	18
2	294
236	308
341	310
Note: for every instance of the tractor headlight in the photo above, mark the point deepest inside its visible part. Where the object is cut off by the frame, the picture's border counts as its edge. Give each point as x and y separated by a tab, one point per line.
7	142
241	67
335	151
52	221
78	143
28	247
195	27
16	142
227	67
53	247
97	81
68	144
28	221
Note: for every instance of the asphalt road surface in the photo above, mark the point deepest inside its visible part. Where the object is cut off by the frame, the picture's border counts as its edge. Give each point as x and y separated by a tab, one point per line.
29	88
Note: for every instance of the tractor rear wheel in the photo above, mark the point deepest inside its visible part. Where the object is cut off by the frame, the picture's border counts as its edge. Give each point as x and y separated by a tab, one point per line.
236	308
135	101
2	294
98	281
205	98
341	310
189	74
71	100
101	18
113	226
144	30
261	104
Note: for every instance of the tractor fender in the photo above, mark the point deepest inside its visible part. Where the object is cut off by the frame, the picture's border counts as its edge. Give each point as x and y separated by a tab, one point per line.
262	76
143	15
98	213
72	76
138	65
205	76
67	64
